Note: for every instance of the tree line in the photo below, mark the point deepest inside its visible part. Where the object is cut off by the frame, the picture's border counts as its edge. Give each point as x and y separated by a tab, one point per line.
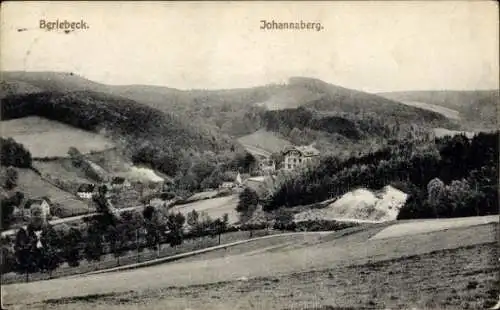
466	172
44	249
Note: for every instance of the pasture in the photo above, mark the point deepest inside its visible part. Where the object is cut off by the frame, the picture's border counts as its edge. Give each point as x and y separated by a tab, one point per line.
45	138
336	269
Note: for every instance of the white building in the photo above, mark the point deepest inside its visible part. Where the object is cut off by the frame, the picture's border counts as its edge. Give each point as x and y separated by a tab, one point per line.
299	156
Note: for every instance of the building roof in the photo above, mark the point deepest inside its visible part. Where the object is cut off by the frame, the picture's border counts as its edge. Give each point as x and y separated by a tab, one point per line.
118	180
39	200
304	150
257	179
86	188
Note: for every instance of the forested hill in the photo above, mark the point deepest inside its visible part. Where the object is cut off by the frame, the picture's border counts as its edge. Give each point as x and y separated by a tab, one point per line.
236	112
477	108
121	118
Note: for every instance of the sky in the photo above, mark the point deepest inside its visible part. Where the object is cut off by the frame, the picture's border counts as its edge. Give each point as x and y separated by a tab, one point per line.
370	46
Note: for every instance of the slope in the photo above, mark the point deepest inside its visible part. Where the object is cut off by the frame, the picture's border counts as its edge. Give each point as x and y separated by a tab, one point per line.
119	118
309	258
236	112
47	138
64	204
478	108
263	142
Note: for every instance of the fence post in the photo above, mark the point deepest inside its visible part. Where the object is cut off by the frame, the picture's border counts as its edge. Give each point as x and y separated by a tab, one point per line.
137	243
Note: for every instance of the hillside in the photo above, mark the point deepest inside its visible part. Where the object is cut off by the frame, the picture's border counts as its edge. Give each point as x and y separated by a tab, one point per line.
47	138
33	185
477	108
263	142
235	111
124	121
30	82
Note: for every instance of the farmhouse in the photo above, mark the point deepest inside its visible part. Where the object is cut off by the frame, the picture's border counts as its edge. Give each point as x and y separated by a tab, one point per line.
227	185
120	182
85	191
299	156
39	207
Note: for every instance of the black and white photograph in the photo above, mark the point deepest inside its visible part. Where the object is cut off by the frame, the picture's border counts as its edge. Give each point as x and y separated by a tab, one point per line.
237	155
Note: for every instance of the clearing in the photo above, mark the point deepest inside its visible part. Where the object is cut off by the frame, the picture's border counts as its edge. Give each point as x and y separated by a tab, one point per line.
449	113
263	142
443	269
46	138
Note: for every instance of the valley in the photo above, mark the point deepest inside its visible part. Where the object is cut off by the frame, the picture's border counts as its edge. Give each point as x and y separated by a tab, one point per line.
348	188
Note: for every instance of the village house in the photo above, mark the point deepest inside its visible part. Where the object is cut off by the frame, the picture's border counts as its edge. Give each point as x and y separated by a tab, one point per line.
86	191
299	156
38	207
120	183
230	185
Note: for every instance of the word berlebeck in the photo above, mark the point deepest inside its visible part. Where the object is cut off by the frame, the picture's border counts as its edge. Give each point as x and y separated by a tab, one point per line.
272	25
64	25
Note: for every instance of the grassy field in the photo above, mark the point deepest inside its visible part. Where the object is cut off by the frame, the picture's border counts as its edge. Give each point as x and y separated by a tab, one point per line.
110	261
265	141
215	208
46	138
62	169
392	284
447	268
449	113
32	185
428	226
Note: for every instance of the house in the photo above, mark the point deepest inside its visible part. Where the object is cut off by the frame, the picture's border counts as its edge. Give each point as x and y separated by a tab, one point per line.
299	156
120	182
227	185
38	207
85	191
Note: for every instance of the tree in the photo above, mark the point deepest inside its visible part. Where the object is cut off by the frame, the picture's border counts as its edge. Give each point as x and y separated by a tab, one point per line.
26	252
7	257
51	257
101	201
11	178
14	154
284	220
93	244
116	238
71	247
8	205
193	220
153	226
247	204
220	225
435	192
175	223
